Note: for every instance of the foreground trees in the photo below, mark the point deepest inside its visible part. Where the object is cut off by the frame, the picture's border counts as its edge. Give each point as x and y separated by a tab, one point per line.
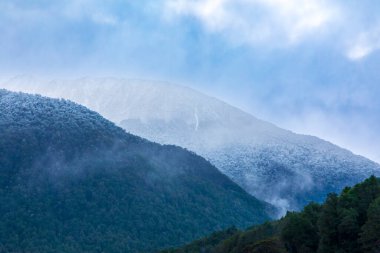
348	223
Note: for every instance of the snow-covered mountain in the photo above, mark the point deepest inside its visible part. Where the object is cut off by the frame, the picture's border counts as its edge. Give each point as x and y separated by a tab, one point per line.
71	181
276	165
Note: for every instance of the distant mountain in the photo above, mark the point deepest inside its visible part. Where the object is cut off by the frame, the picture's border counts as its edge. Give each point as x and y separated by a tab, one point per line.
273	164
71	181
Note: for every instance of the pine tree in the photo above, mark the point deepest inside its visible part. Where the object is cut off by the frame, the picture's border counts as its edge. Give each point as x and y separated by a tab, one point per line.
349	230
370	237
300	233
328	226
366	193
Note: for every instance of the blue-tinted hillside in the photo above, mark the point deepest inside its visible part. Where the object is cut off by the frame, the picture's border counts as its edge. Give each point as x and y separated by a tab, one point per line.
71	181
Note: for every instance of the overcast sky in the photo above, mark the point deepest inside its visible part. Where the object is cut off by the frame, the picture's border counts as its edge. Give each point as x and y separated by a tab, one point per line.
311	66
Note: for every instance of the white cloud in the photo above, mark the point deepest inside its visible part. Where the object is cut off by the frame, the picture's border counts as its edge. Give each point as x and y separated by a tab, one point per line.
95	11
259	21
281	23
365	44
211	12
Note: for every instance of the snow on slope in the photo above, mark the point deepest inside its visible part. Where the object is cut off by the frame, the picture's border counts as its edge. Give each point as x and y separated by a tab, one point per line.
276	165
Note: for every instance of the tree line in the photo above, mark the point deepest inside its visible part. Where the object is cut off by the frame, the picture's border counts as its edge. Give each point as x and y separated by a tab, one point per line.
344	223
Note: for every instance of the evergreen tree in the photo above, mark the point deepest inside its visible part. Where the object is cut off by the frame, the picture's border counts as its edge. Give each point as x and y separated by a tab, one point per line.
328	225
366	193
348	230
334	227
300	233
370	237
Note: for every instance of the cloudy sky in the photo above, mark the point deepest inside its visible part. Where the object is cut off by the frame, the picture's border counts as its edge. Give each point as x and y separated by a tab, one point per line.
312	66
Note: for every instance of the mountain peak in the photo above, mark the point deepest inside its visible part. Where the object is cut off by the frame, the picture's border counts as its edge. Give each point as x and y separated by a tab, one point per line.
274	164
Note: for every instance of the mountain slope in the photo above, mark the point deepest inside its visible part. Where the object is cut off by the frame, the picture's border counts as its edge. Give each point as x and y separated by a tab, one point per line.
349	222
273	164
71	181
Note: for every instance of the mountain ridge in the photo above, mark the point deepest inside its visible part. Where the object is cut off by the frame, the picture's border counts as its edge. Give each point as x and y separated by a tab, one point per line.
72	181
276	165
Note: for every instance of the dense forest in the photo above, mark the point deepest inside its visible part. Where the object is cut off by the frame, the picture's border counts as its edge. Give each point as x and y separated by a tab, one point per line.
345	223
71	181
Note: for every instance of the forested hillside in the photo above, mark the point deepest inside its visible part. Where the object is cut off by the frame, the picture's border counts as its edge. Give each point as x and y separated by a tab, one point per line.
349	222
285	169
71	181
